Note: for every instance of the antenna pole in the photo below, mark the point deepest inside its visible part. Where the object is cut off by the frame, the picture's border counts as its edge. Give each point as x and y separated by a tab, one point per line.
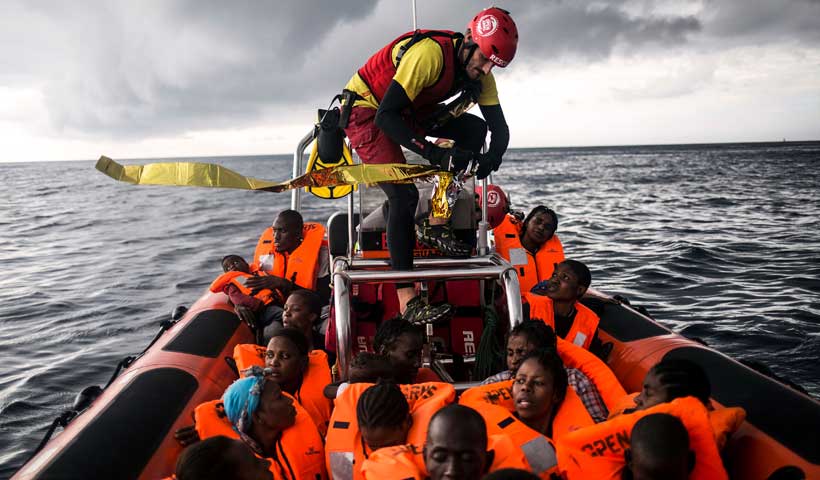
415	26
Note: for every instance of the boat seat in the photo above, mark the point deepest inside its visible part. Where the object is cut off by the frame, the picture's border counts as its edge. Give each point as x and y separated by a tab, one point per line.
337	233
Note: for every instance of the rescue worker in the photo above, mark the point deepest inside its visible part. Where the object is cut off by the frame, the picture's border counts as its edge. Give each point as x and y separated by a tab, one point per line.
556	303
398	91
531	245
294	255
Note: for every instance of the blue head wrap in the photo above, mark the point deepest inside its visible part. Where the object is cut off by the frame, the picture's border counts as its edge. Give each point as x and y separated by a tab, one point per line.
241	399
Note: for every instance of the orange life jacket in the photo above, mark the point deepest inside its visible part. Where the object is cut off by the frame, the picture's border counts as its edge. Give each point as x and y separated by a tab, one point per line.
298	267
583	326
300	449
344	448
598	451
238	279
310	394
531	269
407	461
495	403
595	369
725	420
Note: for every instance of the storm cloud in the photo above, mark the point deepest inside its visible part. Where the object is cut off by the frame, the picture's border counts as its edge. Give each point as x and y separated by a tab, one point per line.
140	69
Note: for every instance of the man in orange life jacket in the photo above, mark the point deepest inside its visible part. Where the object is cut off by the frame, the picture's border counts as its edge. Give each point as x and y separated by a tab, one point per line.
659	448
456	449
398	92
294	255
555	302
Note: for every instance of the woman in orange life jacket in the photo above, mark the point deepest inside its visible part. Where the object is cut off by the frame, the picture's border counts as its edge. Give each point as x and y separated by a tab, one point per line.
384	417
532	335
659	448
259	413
539	387
401	342
556	302
303	311
674	378
221	458
286	363
530	245
667	380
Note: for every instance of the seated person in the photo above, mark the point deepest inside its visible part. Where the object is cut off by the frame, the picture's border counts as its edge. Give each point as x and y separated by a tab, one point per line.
532	409
530	245
555	302
249	305
287	363
532	335
221	458
457	448
303	311
659	448
294	255
257	411
672	378
367	417
668	440
384	417
401	342
366	367
539	387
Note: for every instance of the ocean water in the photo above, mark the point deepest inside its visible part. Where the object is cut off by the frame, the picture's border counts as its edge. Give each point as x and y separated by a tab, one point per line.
719	242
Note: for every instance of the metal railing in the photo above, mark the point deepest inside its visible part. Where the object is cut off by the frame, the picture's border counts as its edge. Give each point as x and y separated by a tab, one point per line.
347	273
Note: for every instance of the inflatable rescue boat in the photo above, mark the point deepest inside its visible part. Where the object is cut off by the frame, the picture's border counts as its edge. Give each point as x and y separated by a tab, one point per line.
126	429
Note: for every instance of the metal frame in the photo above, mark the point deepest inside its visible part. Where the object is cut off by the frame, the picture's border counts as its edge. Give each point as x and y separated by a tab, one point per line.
346	274
349	270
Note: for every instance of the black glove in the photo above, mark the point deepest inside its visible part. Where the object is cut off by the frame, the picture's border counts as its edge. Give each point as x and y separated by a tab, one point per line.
496	162
452	159
487	162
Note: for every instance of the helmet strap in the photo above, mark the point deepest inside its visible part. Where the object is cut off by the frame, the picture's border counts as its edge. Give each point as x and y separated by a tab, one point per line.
470	47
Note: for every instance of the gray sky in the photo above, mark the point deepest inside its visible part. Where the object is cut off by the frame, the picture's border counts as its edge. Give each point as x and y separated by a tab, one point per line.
163	78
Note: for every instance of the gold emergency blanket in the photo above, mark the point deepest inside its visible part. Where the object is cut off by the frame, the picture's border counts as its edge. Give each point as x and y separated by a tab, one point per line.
193	174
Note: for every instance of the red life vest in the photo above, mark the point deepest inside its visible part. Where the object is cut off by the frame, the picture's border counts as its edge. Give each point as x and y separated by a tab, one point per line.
379	70
238	280
507	238
310	394
300	449
583	326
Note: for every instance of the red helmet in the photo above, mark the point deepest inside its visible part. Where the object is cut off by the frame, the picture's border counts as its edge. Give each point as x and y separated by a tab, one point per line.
497	204
495	33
